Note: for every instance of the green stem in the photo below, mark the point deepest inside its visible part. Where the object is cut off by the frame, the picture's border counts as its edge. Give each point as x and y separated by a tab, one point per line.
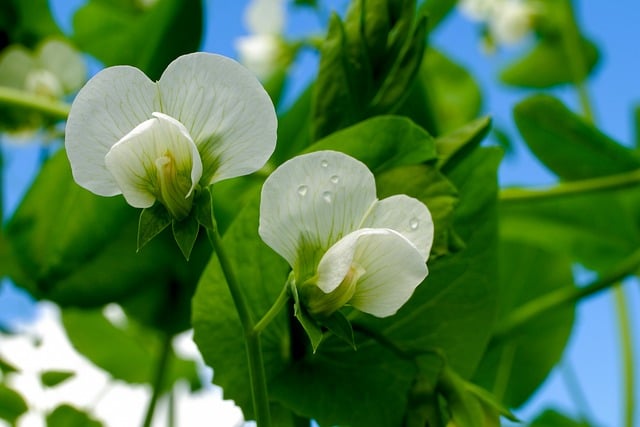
158	380
573	188
19	98
577	63
275	309
252	340
539	306
627	356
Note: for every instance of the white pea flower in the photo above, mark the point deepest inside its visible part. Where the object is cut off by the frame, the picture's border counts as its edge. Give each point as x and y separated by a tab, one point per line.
319	211
264	50
207	119
507	21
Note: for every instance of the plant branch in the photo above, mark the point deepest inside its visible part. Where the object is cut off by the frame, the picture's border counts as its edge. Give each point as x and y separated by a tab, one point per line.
158	380
628	371
553	300
573	188
252	340
19	98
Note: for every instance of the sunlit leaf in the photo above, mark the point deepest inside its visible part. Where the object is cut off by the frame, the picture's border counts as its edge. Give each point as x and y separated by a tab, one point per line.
12	405
68	416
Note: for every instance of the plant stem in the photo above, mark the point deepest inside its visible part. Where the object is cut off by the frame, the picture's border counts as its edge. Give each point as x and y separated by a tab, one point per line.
573	188
277	306
627	356
252	339
19	98
158	380
539	306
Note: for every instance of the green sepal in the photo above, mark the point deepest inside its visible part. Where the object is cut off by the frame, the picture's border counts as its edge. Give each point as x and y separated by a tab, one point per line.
53	378
185	233
340	326
152	221
313	330
204	210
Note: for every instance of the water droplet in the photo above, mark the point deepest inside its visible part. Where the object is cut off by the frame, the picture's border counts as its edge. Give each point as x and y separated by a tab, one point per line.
302	190
413	223
327	196
335	179
324	163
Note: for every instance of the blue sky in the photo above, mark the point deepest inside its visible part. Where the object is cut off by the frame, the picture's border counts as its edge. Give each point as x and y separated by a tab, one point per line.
593	349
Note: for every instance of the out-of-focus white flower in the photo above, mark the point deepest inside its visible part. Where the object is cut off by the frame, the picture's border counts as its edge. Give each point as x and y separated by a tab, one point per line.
263	51
320	212
507	21
207	119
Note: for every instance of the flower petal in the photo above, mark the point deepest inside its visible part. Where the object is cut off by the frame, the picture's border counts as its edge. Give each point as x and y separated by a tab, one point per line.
311	201
406	215
265	16
227	112
107	108
64	62
15	64
393	268
136	161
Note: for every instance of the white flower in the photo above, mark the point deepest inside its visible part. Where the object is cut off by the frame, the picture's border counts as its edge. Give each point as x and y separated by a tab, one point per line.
207	119
264	50
508	21
319	211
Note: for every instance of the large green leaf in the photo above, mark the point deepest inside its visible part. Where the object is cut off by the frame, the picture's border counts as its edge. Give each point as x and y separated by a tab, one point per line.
12	405
367	64
217	329
68	416
568	145
129	353
526	273
553	418
547	64
74	248
147	38
27	22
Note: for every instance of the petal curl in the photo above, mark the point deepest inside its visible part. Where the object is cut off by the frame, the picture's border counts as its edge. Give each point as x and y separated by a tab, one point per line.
107	108
393	268
311	201
226	110
137	160
406	215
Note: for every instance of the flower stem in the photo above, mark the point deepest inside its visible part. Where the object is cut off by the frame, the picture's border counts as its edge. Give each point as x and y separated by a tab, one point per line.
553	300
158	380
627	356
19	98
275	309
573	188
252	339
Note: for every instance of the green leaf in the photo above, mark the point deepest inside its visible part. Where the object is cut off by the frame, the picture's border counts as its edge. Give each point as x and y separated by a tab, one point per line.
382	142
6	367
152	221
27	22
546	66
68	416
339	325
436	11
217	329
53	378
445	96
185	232
367	64
458	143
526	273
553	418
12	405
566	144
148	39
294	128
129	353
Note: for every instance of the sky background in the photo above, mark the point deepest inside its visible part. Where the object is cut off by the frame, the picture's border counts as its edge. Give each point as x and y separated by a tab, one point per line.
592	355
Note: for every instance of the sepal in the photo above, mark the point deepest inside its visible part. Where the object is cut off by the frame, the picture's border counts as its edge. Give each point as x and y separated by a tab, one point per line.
313	330
152	221
185	233
339	325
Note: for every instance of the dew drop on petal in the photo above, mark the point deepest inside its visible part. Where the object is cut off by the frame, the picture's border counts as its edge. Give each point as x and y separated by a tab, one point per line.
324	163
302	190
335	179
327	196
413	223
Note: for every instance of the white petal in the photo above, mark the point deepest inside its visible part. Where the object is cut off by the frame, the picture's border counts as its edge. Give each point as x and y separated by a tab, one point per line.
108	107
64	62
15	63
393	268
406	215
260	53
311	201
227	112
133	161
